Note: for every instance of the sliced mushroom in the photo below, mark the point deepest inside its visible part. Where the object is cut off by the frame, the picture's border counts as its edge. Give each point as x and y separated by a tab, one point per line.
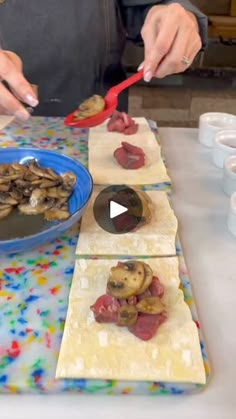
147	280
68	180
63	193
4	187
16	194
5	210
8	177
4	181
37	181
147	206
43	172
4	206
29	210
31	177
52	192
22	183
53	174
27	191
150	305
51	202
56	214
90	107
61	203
63	207
127	315
126	279
4	168
24	200
6	199
35	190
21	169
49	183
37	197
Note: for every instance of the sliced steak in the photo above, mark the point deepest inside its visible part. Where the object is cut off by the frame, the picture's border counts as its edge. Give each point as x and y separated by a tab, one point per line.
123	123
125	222
132	149
122	157
147	325
116	125
131	130
128	157
105	309
156	288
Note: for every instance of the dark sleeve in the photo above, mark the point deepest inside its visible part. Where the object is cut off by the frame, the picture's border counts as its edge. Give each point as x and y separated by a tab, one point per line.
134	13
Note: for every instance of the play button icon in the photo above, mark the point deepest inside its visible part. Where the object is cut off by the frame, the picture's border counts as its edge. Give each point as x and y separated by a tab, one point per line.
118	209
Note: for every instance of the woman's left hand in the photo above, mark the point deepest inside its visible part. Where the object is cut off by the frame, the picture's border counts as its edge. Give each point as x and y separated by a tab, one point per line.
171	40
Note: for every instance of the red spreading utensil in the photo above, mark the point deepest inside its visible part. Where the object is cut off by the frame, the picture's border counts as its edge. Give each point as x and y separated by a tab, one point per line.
111	102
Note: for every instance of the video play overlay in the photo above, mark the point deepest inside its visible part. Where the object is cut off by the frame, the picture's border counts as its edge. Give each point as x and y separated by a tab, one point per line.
118	209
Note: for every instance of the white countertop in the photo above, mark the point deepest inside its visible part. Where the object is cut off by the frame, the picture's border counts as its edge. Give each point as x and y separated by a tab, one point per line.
210	253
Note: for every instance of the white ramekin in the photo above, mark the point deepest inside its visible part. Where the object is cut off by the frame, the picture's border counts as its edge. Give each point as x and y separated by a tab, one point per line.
224	146
212	122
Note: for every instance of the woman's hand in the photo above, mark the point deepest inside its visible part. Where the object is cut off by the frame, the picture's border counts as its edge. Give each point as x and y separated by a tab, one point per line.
21	90
171	40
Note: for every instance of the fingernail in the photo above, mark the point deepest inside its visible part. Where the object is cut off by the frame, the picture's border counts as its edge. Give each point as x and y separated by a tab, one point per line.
140	67
148	76
22	114
31	100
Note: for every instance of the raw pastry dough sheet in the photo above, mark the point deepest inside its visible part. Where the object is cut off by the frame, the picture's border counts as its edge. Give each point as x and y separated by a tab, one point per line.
105	169
156	238
105	351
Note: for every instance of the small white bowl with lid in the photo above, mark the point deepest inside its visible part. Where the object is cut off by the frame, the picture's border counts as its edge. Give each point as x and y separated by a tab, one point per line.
224	146
212	122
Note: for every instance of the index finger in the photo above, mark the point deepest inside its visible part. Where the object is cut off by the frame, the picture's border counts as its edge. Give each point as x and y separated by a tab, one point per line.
158	38
14	77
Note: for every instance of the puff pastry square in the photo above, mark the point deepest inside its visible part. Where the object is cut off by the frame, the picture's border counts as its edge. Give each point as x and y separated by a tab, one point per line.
105	351
106	171
156	238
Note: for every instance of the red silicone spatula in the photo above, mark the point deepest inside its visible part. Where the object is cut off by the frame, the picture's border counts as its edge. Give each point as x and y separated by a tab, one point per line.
111	102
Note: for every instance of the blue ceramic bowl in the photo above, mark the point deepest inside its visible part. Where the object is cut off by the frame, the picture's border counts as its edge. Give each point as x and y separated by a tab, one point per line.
44	231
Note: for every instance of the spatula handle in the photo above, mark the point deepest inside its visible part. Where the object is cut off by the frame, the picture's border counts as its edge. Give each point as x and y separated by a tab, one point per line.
128	82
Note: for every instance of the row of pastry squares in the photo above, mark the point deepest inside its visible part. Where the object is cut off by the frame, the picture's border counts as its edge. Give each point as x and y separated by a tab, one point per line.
156	238
103	351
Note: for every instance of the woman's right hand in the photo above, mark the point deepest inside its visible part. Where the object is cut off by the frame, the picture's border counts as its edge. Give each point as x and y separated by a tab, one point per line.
11	71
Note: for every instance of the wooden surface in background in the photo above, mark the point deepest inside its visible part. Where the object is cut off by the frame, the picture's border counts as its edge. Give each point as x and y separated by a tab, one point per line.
213	7
224	26
233	8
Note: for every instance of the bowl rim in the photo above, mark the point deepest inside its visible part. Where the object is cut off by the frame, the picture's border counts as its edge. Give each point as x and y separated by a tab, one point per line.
54	227
218	116
225	135
228	163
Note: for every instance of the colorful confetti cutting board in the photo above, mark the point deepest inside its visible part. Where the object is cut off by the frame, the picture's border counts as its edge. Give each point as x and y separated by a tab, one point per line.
34	290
